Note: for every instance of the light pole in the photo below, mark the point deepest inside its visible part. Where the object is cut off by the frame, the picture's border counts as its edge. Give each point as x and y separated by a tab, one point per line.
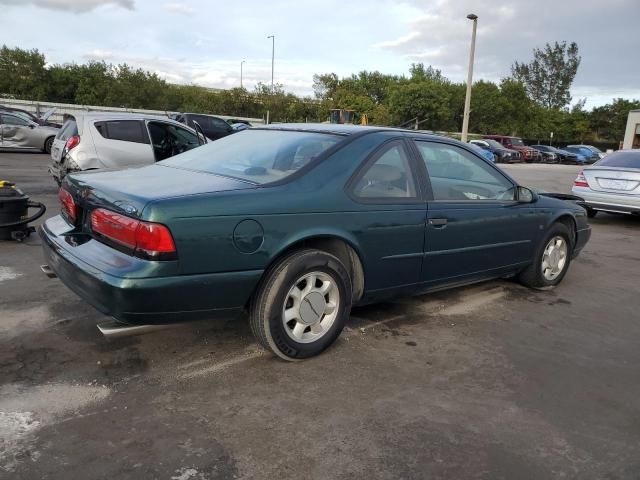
273	52
467	98
241	63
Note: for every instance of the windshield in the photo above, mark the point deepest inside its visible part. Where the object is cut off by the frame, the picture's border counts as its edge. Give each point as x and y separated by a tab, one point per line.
259	156
517	142
623	159
493	143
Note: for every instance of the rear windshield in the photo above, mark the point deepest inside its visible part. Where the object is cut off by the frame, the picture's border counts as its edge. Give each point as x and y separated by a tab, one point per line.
259	156
69	129
629	159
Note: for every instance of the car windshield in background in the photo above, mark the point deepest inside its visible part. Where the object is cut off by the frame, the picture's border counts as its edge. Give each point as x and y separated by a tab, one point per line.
259	156
621	160
493	143
517	142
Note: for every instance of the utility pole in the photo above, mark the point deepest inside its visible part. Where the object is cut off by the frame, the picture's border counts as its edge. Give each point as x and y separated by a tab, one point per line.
467	99
273	56
243	61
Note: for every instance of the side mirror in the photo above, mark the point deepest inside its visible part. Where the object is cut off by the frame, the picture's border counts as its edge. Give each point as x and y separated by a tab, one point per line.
526	195
33	125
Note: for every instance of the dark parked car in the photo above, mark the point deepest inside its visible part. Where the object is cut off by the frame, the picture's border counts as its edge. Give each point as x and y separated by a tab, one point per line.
213	127
297	223
502	154
562	156
589	155
529	154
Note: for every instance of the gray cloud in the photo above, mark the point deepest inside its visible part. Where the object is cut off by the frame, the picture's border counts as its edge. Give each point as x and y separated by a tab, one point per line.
178	8
78	6
508	30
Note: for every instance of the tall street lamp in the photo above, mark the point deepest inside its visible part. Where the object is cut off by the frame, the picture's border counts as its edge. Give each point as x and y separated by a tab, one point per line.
273	50
467	99
241	63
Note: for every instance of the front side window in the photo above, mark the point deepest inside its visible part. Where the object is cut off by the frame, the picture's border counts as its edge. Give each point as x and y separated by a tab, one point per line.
258	156
169	140
456	174
14	120
389	176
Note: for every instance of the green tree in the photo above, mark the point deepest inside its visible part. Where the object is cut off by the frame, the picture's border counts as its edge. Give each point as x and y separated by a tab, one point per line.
548	77
22	73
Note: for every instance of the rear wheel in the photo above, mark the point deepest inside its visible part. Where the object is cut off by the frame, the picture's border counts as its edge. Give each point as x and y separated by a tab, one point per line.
302	304
48	143
552	259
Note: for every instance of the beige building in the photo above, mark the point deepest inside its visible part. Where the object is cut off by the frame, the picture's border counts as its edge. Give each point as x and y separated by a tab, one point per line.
632	133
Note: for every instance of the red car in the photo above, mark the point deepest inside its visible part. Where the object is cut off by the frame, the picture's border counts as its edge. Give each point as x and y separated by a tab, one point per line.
529	154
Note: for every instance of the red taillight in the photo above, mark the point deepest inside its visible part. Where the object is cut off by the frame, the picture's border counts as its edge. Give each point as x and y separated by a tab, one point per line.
145	239
72	142
580	181
68	204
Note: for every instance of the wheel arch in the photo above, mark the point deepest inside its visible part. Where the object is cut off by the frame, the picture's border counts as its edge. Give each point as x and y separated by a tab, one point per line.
570	222
46	139
345	249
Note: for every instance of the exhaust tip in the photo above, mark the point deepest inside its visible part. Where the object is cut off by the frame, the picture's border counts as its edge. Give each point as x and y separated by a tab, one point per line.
115	329
46	269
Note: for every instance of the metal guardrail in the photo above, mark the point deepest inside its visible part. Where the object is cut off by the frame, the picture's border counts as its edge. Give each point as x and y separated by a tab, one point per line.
38	108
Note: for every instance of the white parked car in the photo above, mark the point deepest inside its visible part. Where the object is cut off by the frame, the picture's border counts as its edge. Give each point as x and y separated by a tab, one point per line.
91	141
611	184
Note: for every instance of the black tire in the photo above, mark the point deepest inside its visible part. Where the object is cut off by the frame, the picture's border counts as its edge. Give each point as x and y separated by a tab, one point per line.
532	276
591	212
48	143
267	304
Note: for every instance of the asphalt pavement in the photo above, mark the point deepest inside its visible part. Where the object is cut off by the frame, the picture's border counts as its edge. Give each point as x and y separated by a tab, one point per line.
493	381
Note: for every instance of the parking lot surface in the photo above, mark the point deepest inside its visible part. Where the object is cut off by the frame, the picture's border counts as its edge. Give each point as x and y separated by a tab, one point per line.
491	381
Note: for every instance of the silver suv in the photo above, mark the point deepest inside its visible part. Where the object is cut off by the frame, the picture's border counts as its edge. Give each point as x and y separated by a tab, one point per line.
94	140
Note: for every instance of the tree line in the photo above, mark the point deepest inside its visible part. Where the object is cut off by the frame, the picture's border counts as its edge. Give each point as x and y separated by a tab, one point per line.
531	103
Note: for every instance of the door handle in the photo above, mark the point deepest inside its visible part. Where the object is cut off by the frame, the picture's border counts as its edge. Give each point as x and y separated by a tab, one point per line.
438	222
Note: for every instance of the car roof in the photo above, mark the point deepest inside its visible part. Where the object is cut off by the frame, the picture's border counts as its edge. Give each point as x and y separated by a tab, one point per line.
345	129
118	116
498	136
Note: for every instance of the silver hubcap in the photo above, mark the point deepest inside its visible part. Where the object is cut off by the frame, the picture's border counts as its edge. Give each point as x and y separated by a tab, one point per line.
554	258
311	307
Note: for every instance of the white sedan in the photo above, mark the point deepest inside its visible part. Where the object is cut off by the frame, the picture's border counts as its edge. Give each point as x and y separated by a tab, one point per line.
611	184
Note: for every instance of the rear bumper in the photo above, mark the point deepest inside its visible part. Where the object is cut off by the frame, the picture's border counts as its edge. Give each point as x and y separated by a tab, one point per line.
158	300
608	202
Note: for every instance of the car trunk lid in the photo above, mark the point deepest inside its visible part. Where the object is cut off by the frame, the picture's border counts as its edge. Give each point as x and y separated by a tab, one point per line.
614	180
129	191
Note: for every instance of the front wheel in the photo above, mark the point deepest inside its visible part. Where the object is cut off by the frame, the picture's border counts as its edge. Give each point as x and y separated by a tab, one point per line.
552	259
302	304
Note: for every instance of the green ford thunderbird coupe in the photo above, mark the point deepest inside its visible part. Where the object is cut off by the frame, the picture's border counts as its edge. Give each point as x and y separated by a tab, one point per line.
296	224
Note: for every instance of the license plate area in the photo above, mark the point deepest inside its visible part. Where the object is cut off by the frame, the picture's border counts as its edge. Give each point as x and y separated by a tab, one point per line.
616	184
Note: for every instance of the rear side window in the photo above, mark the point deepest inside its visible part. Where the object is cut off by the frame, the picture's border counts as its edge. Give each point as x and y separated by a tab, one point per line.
123	130
388	177
629	159
69	129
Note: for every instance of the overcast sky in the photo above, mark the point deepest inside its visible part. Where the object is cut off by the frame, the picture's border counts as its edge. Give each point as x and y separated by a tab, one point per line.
203	42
